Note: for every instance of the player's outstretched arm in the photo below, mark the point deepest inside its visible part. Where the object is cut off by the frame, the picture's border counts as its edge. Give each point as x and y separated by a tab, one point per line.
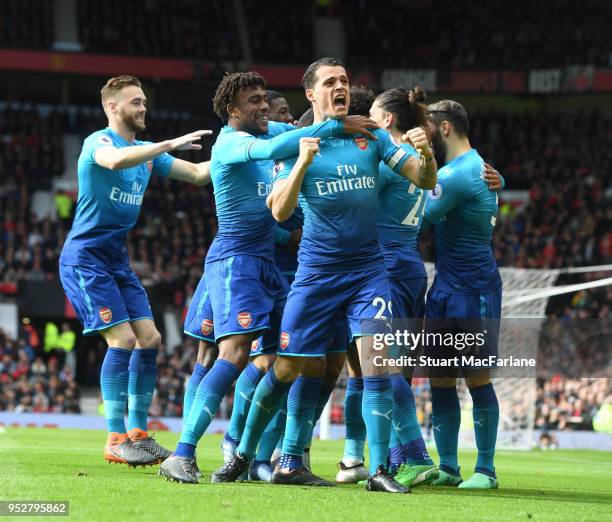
287	144
422	171
196	173
115	159
284	196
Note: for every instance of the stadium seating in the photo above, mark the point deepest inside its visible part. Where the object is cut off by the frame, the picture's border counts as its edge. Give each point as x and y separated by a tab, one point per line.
437	33
26	25
152	29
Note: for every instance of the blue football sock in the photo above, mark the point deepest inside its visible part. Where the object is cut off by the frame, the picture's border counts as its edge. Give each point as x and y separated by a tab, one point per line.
273	434
406	424
416	453
486	420
114	378
301	405
269	395
324	395
377	409
243	395
191	388
396	450
211	390
446	419
290	462
355	427
142	380
184	449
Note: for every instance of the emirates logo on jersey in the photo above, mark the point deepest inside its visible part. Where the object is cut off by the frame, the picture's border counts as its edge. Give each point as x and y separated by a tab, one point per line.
361	142
245	319
255	345
106	314
207	326
284	340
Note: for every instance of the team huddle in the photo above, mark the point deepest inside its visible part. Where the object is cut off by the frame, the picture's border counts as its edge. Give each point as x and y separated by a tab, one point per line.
316	252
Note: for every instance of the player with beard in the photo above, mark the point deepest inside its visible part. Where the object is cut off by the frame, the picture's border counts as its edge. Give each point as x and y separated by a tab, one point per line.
466	291
114	169
341	268
247	291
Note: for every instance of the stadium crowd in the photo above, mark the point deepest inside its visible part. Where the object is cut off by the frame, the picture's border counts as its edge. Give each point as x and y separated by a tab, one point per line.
32	381
476	34
26	25
154	30
570	404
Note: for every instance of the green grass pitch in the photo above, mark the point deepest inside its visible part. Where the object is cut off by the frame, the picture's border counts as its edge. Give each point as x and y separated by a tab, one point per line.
48	464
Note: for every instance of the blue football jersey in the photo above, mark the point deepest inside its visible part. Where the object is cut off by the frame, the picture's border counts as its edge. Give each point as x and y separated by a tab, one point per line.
400	213
108	203
287	262
464	211
242	179
339	198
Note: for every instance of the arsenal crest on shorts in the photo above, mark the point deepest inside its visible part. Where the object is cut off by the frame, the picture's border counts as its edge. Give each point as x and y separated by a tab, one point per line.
361	142
255	345
245	319
207	326
284	340
106	314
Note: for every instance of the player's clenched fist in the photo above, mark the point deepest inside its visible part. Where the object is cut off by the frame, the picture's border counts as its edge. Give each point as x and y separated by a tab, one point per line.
417	137
308	148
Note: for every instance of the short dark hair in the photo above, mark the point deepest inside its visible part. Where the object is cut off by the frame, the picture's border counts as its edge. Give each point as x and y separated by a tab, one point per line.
232	84
453	112
362	99
309	78
406	105
274	95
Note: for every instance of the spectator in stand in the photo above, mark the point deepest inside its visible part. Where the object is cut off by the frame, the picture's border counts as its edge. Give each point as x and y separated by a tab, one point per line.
29	385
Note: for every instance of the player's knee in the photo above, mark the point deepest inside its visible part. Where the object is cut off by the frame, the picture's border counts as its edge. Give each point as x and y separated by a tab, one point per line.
207	354
314	367
150	339
287	369
264	362
443	382
474	381
126	341
335	363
